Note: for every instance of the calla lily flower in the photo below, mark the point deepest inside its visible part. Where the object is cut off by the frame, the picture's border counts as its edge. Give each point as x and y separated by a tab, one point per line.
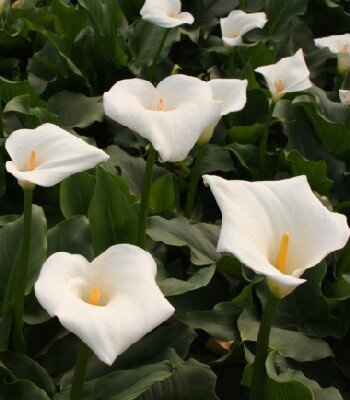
232	95
110	303
278	229
289	74
238	23
340	45
344	96
165	13
171	116
46	155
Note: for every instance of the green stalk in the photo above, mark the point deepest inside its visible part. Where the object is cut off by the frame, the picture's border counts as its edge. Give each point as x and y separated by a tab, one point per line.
1	121
194	182
263	144
146	191
241	5
18	338
231	63
150	74
76	391
259	373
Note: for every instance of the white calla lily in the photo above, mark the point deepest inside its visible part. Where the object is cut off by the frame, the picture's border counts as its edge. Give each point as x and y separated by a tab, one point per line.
110	303
165	13
289	74
277	228
344	96
238	23
339	45
171	116
232	95
48	154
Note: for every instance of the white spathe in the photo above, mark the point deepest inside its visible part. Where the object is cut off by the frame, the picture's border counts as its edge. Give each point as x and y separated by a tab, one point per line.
165	13
344	96
255	215
130	303
289	74
233	97
339	45
57	155
238	23
171	116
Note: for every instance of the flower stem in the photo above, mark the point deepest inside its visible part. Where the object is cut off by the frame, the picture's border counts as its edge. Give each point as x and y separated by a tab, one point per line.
194	182
150	74
263	144
146	191
1	121
76	391
231	63
241	5
17	338
259	373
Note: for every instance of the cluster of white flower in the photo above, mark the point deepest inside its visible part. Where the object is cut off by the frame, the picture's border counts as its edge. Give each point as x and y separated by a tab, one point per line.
278	229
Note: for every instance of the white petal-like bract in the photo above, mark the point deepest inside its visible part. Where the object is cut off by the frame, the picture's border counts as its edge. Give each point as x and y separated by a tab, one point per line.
231	93
344	96
340	45
238	23
57	155
130	304
233	97
289	74
255	215
165	13
171	116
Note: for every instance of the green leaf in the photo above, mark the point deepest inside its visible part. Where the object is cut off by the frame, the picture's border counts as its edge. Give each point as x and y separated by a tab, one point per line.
200	238
257	55
132	168
9	90
75	110
216	158
301	136
131	9
10	250
144	41
23	367
192	380
106	19
246	134
123	385
171	286
293	385
76	193
69	21
247	154
280	17
291	344
112	217
146	351
19	389
5	331
330	120
307	310
5	219
219	322
315	171
30	109
72	236
162	197
207	12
